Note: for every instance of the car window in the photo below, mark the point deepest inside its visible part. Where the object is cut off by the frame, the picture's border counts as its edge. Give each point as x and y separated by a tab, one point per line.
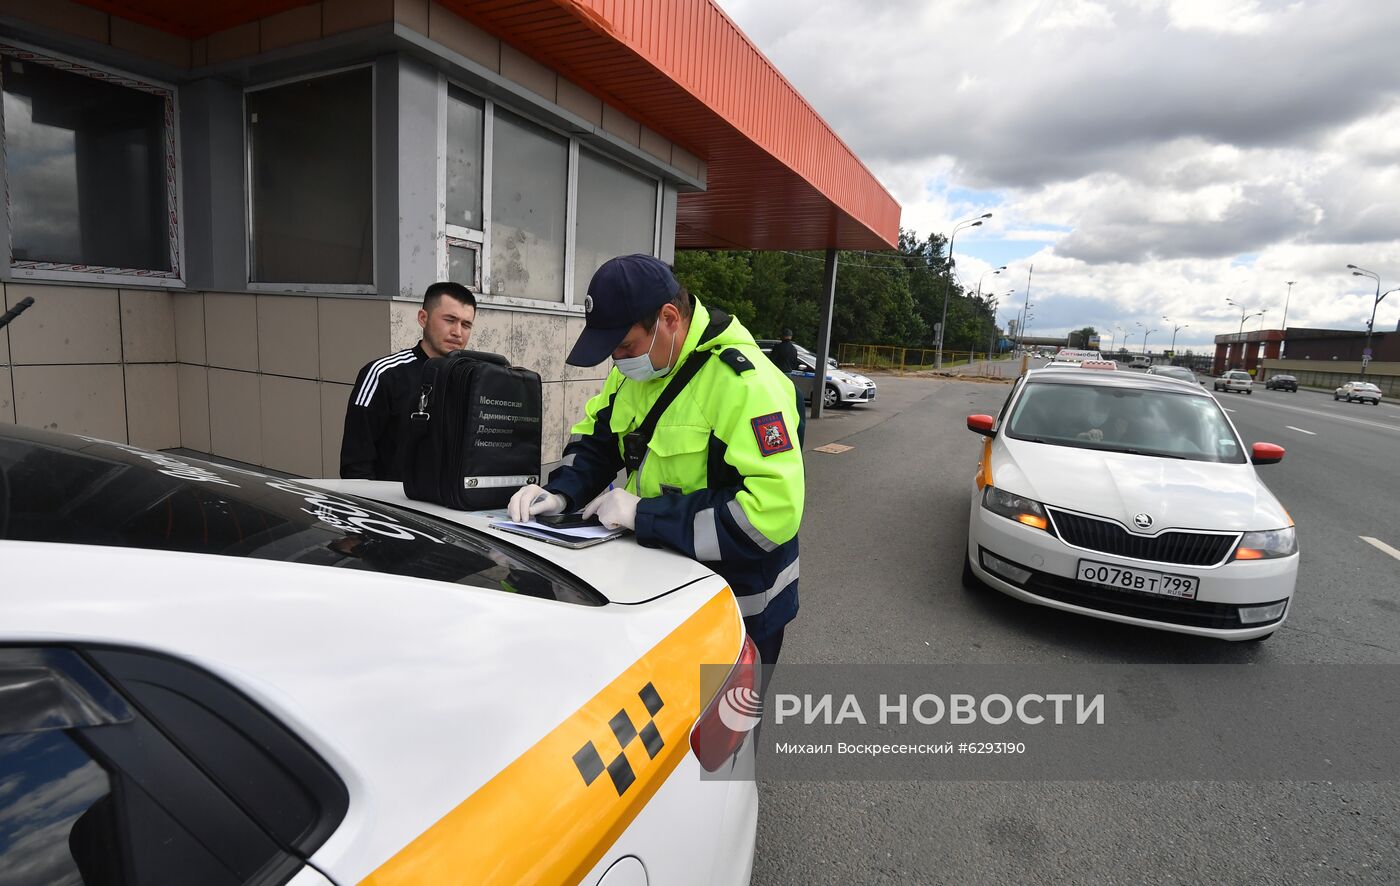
92	802
79	491
1158	423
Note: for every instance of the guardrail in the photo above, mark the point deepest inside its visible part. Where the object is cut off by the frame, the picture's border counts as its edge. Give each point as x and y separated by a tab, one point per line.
891	358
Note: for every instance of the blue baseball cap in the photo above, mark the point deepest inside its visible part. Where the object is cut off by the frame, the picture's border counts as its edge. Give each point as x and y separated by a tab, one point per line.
623	291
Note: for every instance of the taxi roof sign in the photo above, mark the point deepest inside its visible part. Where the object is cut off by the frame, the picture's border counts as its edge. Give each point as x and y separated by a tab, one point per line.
1074	354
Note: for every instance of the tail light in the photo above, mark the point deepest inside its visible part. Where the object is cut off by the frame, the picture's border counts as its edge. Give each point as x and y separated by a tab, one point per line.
738	701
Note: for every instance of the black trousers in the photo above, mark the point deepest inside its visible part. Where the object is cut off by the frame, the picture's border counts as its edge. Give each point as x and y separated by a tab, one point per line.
768	649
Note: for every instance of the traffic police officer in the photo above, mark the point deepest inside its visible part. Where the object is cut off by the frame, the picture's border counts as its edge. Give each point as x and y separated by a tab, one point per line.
721	477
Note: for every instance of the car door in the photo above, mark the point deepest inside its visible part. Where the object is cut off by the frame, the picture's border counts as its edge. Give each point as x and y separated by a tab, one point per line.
127	768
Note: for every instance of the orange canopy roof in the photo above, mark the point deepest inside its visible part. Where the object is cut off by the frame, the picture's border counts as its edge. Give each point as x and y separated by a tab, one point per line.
778	176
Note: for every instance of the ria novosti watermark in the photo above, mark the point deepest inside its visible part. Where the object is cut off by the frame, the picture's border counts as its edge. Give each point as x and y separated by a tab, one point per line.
1080	722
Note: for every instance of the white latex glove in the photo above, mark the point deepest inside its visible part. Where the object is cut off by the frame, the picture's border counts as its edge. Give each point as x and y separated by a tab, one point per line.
615	507
531	501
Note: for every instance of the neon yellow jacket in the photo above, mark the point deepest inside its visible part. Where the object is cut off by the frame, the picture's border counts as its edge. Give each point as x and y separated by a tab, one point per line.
722	480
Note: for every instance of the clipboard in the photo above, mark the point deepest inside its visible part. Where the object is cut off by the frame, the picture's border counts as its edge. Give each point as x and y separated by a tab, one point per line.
564	538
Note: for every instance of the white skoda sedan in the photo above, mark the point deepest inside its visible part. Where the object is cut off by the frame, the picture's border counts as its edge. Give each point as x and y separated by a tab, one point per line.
1129	498
219	677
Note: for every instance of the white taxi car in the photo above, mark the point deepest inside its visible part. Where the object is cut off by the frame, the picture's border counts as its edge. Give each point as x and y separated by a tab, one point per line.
219	677
1129	498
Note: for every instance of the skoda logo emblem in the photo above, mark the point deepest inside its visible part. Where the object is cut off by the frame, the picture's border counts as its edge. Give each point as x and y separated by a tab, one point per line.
1142	521
588	304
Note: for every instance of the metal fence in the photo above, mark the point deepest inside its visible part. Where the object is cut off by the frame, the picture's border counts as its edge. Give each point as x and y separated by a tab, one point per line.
891	358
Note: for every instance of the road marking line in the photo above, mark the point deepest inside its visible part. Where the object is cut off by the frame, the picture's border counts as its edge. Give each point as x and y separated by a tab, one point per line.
1380	546
1301	431
1332	415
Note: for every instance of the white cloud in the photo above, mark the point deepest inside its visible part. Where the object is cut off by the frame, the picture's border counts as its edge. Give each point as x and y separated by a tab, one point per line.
1149	157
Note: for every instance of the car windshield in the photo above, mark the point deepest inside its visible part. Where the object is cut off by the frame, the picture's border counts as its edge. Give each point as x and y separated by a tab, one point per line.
1164	424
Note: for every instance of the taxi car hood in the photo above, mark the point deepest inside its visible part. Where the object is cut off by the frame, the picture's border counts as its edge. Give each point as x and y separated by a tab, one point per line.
621	570
1176	493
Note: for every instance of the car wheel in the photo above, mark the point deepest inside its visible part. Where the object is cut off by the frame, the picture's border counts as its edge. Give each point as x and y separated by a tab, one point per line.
1335	397
1249	390
831	397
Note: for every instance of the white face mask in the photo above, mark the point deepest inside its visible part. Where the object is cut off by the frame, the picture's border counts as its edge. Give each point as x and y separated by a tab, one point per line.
639	368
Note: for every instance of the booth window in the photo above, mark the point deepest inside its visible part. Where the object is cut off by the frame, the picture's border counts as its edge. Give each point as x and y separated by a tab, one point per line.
529	190
616	216
90	163
312	181
465	162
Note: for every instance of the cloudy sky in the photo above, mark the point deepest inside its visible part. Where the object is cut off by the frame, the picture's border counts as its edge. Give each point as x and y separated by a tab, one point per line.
1150	157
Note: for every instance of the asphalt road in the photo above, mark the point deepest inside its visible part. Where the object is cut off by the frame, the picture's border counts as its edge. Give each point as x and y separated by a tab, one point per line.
882	544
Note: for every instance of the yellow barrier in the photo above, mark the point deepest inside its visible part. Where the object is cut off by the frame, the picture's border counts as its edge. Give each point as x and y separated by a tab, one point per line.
892	358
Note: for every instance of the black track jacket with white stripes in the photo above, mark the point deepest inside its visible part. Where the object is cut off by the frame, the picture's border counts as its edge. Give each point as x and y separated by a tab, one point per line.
385	392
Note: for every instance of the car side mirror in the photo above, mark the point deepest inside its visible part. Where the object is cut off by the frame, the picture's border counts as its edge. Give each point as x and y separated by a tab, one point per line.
984	425
1266	454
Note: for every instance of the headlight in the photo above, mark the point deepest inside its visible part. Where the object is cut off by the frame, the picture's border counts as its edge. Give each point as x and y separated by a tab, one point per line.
1267	545
1014	507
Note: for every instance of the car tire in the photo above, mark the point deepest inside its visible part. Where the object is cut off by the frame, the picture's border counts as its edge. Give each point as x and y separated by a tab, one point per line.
1335	398
831	398
1247	391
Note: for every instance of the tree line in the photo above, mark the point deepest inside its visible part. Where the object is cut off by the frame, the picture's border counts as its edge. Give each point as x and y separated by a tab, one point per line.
882	298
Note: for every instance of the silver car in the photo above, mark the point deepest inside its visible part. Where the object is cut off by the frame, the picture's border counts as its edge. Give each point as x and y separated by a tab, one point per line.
1358	390
842	388
1236	380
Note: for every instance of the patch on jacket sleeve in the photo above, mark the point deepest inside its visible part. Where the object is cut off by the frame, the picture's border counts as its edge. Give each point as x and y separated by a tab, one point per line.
735	360
772	434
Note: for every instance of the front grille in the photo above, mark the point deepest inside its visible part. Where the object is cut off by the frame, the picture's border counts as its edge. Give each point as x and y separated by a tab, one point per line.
1185	548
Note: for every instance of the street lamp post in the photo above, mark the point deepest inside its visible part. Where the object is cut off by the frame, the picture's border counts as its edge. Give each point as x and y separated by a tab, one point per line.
948	288
1175	330
984	276
1362	272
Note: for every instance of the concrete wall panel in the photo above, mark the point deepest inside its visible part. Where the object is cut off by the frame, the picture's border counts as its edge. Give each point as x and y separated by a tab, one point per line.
148	326
67	324
288	337
463	37
7	396
235	415
352	333
291	425
152	389
188	311
334	399
231	330
193	392
73	399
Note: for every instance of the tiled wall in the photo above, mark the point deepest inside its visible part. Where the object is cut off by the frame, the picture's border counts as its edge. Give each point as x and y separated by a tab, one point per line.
263	379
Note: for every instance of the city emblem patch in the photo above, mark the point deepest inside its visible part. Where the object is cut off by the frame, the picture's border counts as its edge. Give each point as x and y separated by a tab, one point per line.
772	434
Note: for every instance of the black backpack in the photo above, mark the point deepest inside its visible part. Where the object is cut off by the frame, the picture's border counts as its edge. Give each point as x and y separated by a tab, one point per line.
474	437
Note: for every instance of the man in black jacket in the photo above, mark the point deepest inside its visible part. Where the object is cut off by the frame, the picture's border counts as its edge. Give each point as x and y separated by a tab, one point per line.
784	354
386	390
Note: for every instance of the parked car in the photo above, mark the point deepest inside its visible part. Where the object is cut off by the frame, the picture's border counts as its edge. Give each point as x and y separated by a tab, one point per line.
1180	373
1140	362
1129	498
842	388
1363	391
1236	380
1281	383
209	675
